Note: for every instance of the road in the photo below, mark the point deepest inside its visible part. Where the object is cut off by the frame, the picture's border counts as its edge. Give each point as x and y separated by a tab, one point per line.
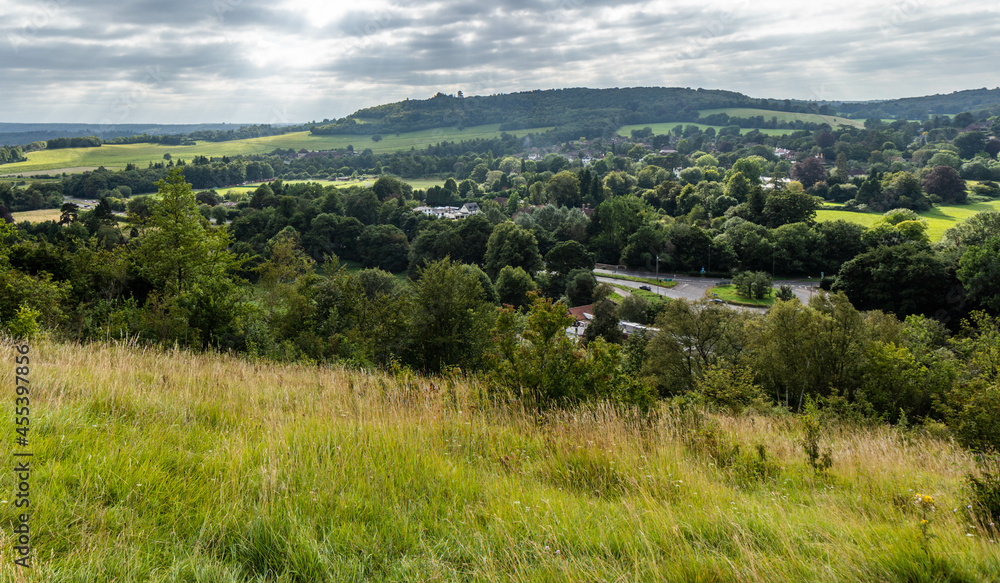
694	288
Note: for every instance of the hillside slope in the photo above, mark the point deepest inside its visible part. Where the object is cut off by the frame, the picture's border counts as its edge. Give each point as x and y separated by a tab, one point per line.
167	466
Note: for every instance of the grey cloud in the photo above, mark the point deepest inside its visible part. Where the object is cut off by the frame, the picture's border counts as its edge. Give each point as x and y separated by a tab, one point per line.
94	52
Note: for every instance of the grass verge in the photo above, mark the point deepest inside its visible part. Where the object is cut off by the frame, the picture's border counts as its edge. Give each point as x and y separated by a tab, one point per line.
728	294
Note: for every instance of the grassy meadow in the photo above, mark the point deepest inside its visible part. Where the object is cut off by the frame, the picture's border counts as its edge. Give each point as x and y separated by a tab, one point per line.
939	219
39	216
173	466
767	114
118	155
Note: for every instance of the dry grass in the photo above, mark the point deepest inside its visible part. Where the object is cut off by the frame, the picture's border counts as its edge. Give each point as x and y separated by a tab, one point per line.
168	465
38	216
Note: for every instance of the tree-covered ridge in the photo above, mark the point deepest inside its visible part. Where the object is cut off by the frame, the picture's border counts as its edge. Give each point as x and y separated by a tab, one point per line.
587	112
594	112
922	107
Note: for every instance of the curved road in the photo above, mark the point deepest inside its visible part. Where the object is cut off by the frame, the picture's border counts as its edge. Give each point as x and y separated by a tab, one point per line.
694	288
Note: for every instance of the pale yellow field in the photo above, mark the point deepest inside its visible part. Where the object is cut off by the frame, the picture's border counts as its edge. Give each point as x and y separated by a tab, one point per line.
39	216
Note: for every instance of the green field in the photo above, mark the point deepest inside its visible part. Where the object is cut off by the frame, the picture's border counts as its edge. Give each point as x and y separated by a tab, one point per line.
667	127
117	156
939	219
767	114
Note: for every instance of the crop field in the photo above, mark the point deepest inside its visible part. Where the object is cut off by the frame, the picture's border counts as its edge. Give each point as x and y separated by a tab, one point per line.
163	465
117	156
39	216
939	219
667	127
767	114
416	183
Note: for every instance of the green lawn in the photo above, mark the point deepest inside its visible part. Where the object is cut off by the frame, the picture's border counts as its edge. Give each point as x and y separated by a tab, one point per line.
767	114
939	219
727	293
117	156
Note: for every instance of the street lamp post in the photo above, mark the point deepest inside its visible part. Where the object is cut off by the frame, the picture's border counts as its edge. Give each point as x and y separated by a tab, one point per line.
658	275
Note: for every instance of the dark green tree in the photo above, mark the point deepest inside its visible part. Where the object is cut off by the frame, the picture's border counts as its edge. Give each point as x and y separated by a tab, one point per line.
511	245
903	279
979	272
945	182
450	318
513	286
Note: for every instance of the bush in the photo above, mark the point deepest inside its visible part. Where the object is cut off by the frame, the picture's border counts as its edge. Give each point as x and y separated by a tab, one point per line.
727	454
731	389
24	324
973	415
984	489
819	461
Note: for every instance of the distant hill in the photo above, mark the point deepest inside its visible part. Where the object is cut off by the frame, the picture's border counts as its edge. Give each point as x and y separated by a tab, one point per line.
575	113
971	100
589	113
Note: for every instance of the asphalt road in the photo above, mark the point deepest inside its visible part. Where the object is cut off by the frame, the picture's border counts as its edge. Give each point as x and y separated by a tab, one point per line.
694	288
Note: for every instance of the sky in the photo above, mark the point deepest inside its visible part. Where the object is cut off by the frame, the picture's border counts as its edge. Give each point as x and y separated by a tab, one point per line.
294	61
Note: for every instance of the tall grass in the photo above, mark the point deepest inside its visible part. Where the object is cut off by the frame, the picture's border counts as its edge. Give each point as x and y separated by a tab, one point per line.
174	466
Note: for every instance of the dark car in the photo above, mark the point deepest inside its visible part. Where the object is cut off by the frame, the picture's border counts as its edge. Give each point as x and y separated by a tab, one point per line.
645	288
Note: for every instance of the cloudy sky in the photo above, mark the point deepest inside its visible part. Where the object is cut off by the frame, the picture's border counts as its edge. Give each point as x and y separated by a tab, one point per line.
284	61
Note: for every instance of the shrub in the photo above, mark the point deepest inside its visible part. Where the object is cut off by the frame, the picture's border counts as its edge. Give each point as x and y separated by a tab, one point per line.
731	389
728	455
811	427
984	489
24	324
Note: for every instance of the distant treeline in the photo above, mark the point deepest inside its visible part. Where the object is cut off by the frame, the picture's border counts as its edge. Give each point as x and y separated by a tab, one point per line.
759	122
922	108
242	133
81	142
201	175
10	154
48	140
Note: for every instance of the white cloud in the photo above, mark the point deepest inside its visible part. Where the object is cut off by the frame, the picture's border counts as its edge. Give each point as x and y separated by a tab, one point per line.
239	60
